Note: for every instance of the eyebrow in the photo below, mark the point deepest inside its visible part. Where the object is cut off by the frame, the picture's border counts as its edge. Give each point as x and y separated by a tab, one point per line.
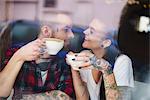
67	27
90	27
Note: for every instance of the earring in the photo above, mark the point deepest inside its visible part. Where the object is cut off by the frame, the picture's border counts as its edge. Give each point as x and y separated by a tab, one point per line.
102	46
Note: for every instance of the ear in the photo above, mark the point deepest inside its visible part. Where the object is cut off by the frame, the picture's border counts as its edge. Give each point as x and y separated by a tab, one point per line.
106	43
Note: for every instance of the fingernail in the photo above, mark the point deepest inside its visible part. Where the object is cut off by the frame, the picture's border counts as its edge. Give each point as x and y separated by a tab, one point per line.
73	59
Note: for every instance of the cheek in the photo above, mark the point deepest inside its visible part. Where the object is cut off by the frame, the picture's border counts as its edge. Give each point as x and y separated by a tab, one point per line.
86	44
90	44
59	36
66	44
50	34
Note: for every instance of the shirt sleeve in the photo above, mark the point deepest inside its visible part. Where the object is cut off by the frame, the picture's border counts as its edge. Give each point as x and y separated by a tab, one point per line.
8	54
123	71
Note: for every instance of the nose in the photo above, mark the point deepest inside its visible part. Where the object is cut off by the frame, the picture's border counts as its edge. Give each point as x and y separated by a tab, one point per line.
87	31
70	34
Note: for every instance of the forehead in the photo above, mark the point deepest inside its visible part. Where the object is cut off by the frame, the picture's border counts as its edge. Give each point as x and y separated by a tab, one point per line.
97	25
63	19
61	26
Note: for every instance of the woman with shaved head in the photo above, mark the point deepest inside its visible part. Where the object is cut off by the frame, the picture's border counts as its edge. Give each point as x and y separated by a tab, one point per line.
95	78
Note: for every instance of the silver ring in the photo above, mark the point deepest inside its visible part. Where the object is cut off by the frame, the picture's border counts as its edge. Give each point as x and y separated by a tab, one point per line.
92	60
42	50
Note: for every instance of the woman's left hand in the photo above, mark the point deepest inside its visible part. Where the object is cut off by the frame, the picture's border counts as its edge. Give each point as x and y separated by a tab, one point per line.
87	57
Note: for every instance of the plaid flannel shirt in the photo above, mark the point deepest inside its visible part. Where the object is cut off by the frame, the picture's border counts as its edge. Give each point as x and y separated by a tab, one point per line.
29	80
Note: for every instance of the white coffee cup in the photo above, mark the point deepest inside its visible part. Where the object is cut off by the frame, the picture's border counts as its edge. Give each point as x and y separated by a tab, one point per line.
53	45
74	64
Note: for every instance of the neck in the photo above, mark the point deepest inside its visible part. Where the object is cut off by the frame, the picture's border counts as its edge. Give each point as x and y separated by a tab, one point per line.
99	52
47	59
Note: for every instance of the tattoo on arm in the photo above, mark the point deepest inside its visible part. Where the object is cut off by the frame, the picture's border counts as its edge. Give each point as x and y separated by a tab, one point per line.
39	96
111	89
53	95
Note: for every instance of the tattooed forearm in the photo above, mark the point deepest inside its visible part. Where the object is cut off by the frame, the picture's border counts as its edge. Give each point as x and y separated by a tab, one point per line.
40	96
53	95
59	95
112	92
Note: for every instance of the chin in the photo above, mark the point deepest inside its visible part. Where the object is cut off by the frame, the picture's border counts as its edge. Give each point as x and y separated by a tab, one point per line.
45	56
85	45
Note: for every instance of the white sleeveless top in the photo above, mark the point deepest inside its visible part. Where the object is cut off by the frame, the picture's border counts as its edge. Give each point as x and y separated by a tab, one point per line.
123	74
93	88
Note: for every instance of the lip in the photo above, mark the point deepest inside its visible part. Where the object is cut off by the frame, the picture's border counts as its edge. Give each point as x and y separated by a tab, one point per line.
86	39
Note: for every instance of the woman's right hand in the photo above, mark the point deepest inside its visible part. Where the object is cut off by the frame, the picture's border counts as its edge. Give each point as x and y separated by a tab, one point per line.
70	53
30	51
74	72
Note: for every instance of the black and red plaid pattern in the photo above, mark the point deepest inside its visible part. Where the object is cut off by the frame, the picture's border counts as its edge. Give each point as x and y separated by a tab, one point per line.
29	79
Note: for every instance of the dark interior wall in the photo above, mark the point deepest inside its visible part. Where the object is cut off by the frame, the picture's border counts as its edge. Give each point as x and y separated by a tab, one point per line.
18	33
134	43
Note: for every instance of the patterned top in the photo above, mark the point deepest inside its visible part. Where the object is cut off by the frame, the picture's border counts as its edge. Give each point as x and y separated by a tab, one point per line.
29	80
